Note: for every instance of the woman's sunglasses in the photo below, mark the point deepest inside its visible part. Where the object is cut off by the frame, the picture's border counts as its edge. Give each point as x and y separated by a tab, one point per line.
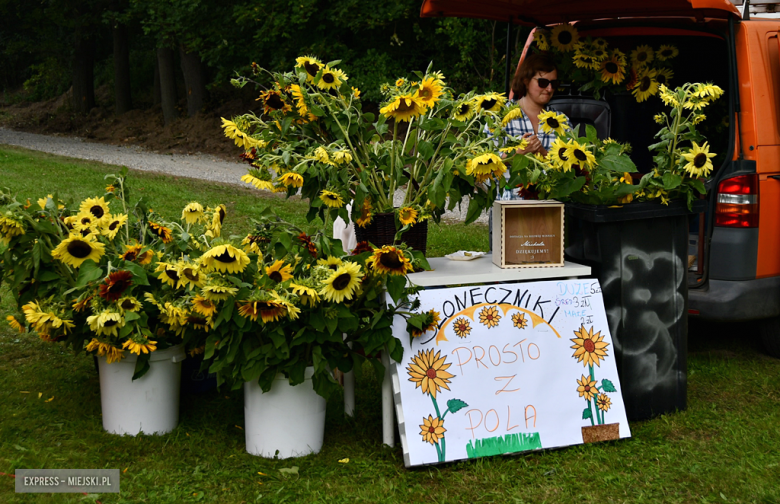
543	83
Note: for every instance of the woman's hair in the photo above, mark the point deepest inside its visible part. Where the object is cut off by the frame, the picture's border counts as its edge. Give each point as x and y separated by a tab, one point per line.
532	64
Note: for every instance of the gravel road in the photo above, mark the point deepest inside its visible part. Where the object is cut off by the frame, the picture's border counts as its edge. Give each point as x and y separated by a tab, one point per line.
196	166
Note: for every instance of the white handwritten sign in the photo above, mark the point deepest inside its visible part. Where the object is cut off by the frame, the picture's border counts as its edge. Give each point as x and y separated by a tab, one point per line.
507	368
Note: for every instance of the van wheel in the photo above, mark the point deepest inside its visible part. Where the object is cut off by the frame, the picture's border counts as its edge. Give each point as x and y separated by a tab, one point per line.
770	335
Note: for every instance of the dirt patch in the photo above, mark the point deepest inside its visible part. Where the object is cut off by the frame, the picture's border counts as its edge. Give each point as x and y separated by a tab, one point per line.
187	135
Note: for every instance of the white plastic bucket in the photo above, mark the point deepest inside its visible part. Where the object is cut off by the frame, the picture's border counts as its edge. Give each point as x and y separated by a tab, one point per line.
286	419
149	404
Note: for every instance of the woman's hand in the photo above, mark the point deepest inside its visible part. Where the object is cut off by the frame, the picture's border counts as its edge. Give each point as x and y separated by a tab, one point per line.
534	145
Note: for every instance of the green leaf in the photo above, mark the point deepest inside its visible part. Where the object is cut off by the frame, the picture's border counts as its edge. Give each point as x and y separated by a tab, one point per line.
671	181
130	316
89	272
426	149
620	163
141	366
139	273
587	413
454	405
395	286
607	386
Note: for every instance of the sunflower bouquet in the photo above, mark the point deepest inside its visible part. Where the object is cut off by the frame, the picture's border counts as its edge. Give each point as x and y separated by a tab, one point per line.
301	302
101	276
596	67
424	152
600	172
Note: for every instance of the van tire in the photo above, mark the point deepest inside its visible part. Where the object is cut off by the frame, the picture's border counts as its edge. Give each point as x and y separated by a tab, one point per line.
769	330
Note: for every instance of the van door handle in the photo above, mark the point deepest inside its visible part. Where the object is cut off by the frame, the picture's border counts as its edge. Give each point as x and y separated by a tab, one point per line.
776	177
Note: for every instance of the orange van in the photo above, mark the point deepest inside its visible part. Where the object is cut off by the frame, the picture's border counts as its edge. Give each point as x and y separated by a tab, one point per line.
735	244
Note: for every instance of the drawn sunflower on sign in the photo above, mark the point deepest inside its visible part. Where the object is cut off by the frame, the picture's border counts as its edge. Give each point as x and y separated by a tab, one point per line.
519	320
489	316
461	327
587	387
589	348
432	429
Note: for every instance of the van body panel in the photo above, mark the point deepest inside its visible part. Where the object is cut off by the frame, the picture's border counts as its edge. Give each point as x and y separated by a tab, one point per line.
544	12
737	253
736	301
768	263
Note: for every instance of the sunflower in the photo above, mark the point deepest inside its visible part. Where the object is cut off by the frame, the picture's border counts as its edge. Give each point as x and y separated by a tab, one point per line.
429	372
113	225
279	271
587	387
115	284
10	227
217	218
600	43
642	55
484	165
646	85
564	37
300	103
461	327
342	157
663	76
666	52
361	247
203	306
429	92
308	295
252	243
612	69
432	429
129	303
257	182
580	155
390	260
140	344
403	108
106	323
225	258
291	179
331	78
559	155
311	64
15	324
96	207
273	102
111	353
699	162
519	320
86	221
603	402
355	92
331	199
668	97
330	262
599	54
491	102
365	214
550	121
74	250
589	348
193	213
464	111
541	40
133	253
168	274
434	318
269	310
489	316
407	216
161	232
341	284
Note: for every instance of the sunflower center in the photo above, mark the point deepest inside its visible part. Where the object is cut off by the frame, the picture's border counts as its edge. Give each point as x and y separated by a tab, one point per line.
562	154
589	346
276	276
130	255
404	107
431	373
342	281
225	257
221	214
426	93
700	160
329	78
642	56
661	78
553	122
79	249
191	274
127	304
489	103
97	211
110	323
564	38
274	101
390	260
645	84
611	67
580	155
172	274
196	320
587	388
113	225
464	108
666	53
311	68
85	232
432	429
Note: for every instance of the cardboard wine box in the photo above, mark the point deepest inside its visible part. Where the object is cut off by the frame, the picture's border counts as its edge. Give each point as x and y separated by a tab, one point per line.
528	234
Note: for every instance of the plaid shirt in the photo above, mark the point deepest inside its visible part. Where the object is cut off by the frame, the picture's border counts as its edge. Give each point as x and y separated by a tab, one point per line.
519	127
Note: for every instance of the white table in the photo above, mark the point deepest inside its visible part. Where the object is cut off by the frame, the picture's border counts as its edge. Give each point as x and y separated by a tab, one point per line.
447	273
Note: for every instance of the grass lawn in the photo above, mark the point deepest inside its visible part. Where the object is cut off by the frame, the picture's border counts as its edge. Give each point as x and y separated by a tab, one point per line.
724	448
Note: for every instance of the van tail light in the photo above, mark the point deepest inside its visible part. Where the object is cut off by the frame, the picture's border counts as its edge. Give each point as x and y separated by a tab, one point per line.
737	204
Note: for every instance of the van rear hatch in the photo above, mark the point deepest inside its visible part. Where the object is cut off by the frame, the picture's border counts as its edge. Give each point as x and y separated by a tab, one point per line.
546	12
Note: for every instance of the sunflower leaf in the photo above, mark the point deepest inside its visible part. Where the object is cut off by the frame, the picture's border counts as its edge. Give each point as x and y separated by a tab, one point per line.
395	286
671	181
141	366
130	316
587	413
455	405
89	272
607	386
139	273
